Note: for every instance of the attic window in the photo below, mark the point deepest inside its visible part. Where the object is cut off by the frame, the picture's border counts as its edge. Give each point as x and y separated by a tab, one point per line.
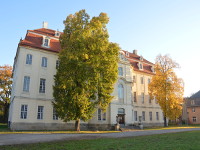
140	66
57	33
152	69
127	54
141	58
192	102
46	41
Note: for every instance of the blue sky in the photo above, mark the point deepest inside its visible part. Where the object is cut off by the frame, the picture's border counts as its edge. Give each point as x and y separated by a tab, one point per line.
151	26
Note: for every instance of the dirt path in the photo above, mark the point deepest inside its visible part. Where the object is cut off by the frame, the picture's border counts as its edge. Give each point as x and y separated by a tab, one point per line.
11	139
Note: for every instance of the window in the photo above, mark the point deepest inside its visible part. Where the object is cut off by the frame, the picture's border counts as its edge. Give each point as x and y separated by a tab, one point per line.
57	64
157	116
141	80
42	85
44	62
149	81
55	116
194	119
142	97
46	42
120	71
135	115
121	111
134	97
152	69
143	116
134	79
127	54
24	111
192	102
150	116
40	112
26	83
29	59
101	115
193	109
149	100
140	66
121	93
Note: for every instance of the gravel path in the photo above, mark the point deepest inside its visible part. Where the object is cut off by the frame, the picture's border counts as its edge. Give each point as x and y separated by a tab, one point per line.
11	139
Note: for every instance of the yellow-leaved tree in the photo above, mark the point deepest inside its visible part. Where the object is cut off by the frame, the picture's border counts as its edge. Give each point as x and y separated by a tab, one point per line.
167	88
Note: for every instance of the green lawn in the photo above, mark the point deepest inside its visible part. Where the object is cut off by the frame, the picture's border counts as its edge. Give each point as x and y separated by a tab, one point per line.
3	127
171	141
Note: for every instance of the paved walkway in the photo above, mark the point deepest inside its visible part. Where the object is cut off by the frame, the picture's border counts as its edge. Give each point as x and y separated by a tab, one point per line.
11	139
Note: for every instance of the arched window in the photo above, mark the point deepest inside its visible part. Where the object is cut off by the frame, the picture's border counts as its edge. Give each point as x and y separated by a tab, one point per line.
121	93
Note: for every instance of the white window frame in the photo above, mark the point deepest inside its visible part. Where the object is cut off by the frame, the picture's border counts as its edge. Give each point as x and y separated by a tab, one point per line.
120	71
44	62
40	112
24	110
42	87
194	119
26	84
121	92
193	109
46	42
135	116
150	116
55	116
143	115
142	80
29	58
142	97
157	115
101	115
135	96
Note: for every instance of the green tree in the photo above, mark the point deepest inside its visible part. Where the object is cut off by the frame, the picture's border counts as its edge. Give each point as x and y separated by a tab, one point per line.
167	88
88	68
5	90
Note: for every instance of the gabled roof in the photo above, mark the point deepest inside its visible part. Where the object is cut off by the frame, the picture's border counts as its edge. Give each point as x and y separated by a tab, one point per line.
196	95
34	39
135	59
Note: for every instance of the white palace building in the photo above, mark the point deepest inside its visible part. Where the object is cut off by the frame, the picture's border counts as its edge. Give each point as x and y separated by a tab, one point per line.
32	93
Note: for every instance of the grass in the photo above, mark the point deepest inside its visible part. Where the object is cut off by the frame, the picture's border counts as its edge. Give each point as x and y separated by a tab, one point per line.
3	127
177	141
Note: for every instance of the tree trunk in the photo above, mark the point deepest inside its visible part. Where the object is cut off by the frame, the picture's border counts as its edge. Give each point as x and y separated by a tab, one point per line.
165	121
77	125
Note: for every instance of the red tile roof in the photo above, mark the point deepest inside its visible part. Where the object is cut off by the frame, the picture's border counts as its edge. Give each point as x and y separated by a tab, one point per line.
135	59
34	39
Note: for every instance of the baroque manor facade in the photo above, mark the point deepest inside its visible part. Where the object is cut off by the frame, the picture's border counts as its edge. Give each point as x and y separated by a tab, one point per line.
33	76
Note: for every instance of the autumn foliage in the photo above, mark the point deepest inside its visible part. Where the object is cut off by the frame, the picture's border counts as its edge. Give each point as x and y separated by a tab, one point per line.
167	88
5	90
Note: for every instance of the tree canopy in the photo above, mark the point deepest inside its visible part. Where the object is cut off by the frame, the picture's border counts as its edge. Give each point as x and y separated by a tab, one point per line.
5	89
88	67
167	88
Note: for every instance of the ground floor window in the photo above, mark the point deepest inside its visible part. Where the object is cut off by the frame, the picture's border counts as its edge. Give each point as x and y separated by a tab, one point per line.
55	116
150	116
40	112
194	119
101	115
24	109
135	116
143	116
157	116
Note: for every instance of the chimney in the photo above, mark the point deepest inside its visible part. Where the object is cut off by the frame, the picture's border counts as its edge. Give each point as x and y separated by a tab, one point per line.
45	24
135	51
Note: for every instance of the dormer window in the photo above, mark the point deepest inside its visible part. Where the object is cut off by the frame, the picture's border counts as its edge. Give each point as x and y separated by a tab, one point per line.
152	69
141	58
140	66
46	41
57	33
127	54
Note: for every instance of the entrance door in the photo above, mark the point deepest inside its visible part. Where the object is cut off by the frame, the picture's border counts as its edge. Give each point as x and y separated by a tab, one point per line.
121	118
